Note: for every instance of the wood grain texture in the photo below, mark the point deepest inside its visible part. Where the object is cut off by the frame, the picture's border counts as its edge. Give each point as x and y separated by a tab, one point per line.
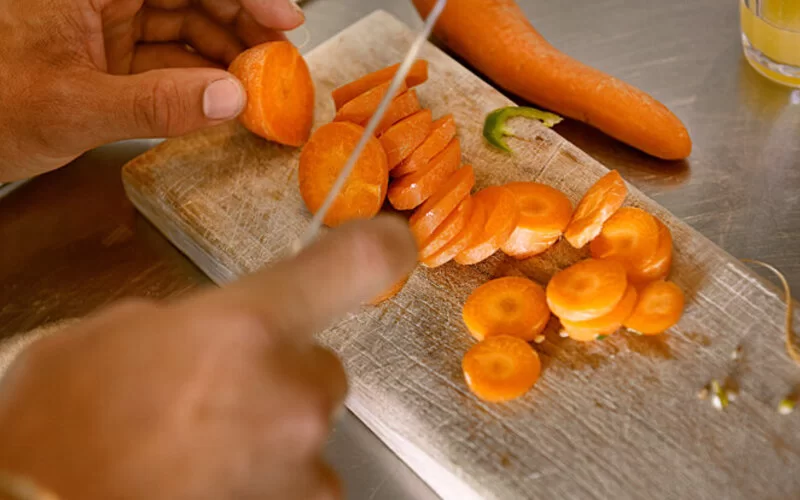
613	419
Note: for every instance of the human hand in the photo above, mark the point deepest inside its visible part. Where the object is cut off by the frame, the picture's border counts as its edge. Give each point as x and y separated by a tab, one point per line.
76	74
220	395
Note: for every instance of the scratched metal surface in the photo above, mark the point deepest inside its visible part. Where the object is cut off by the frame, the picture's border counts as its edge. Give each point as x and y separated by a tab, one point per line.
60	256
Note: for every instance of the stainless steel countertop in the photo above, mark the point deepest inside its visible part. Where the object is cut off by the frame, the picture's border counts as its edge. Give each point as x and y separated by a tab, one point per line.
71	242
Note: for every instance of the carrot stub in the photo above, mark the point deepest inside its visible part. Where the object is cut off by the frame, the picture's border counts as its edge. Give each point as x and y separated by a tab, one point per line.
544	214
659	308
280	92
630	237
361	109
452	226
443	131
416	75
325	155
472	229
502	215
412	190
402	138
512	306
501	368
438	207
606	324
587	290
599	203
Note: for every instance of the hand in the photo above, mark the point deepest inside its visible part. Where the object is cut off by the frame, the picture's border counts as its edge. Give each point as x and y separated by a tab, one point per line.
221	395
62	89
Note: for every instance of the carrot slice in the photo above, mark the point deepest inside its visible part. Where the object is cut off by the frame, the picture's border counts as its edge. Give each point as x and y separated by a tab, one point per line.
361	109
507	306
605	324
436	208
472	230
412	190
501	368
658	267
443	131
630	237
659	308
324	156
416	75
280	92
402	138
587	290
502	215
544	213
402	106
391	292
448	230
595	208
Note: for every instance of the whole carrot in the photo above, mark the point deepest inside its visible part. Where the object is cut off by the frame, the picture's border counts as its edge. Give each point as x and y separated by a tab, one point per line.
498	40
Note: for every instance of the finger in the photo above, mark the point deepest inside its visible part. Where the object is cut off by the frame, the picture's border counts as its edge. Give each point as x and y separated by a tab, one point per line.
252	33
324	366
150	56
276	14
328	484
193	27
224	11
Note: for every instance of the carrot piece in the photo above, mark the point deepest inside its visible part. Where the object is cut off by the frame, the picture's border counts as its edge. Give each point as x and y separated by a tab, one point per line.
501	368
412	190
443	131
448	230
402	138
544	214
416	75
496	38
280	92
658	267
436	208
630	237
587	290
361	109
324	156
598	204
402	106
512	306
391	292
605	324
502	215
471	231
659	308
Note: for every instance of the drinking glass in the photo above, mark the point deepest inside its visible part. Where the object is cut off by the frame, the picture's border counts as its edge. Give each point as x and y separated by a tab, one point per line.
771	38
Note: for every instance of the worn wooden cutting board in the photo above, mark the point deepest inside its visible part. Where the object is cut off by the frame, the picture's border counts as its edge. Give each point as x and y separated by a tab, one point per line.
612	419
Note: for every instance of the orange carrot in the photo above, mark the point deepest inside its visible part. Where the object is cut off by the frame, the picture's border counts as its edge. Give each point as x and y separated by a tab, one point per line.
402	138
501	368
436	209
464	239
630	237
659	307
544	214
412	190
418	74
361	109
324	156
391	292
496	38
587	290
280	92
502	215
443	131
402	106
448	230
607	324
512	306
658	267
598	204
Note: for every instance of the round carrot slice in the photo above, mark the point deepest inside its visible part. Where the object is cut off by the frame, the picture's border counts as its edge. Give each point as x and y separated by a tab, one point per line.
659	308
630	237
512	306
361	109
443	131
658	267
587	290
595	208
544	213
391	292
605	324
402	138
325	155
448	230
412	190
402	106
464	239
526	244
436	208
346	93
502	215
276	69
501	368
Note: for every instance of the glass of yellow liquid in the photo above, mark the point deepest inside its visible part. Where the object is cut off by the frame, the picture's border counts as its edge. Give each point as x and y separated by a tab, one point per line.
771	38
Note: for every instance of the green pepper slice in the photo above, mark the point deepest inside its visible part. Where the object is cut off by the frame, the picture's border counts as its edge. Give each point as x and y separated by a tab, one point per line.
494	128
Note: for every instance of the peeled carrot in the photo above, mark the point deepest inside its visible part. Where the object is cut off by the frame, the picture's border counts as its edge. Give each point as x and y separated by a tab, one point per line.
659	308
658	267
598	204
501	368
416	75
464	239
630	237
391	292
587	290
361	109
412	190
324	156
448	230
402	138
502	215
512	306
443	131
280	92
402	106
436	209
606	324
495	37
544	214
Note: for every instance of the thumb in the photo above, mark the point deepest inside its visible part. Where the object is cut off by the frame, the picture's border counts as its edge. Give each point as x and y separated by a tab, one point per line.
169	102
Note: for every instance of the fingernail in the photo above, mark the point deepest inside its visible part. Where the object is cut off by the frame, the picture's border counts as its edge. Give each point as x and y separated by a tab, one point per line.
297	8
223	99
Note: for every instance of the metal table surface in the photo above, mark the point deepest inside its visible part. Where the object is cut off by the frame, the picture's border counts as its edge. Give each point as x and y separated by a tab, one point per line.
70	241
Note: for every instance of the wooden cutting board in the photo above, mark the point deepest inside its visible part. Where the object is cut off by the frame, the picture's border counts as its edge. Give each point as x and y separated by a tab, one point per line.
613	419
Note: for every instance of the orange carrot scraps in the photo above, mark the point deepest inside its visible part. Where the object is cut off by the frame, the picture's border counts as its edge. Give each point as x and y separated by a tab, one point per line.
402	106
324	156
606	324
512	306
659	308
402	138
464	239
448	230
436	208
502	215
412	190
587	290
416	75
630	237
599	203
544	214
443	131
501	368
361	109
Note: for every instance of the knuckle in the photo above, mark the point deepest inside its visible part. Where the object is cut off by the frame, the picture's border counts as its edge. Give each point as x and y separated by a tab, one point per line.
132	305
159	107
371	252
